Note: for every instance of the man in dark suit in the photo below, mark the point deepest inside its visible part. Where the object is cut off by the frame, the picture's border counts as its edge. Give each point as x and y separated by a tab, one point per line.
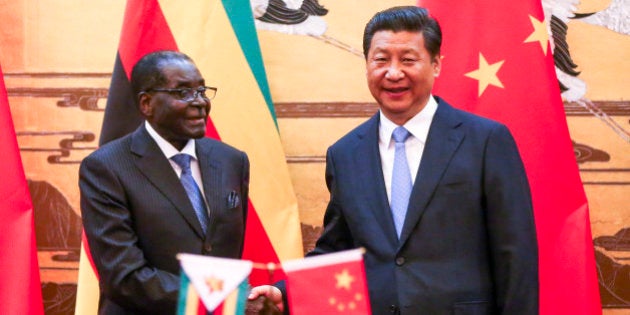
137	215
461	240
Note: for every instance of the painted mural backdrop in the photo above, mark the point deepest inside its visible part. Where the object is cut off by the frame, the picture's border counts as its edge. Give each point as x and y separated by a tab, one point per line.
57	60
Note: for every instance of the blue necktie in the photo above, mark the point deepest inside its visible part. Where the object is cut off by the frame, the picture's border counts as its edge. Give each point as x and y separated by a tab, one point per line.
194	194
401	180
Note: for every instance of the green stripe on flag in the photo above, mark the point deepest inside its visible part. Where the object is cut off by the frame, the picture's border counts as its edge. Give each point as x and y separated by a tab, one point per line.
182	300
242	19
241	298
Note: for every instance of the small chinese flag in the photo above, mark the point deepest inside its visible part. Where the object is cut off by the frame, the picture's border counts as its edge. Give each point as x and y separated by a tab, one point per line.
328	284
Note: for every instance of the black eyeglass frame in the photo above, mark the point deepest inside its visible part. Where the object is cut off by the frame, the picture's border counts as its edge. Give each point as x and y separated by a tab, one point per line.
184	93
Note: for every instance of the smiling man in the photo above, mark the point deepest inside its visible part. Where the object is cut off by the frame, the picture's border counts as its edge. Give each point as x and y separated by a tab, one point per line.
161	190
438	197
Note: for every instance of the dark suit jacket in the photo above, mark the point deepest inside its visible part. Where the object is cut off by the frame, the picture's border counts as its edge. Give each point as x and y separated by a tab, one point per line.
137	217
468	244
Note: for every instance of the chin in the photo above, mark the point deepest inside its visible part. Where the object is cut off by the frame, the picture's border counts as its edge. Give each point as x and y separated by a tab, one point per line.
197	133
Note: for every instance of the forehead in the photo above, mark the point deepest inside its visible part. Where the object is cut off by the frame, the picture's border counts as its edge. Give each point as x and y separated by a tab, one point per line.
180	72
389	40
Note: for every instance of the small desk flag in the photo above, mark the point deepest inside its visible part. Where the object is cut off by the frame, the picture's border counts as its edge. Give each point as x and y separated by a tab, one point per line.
328	284
213	281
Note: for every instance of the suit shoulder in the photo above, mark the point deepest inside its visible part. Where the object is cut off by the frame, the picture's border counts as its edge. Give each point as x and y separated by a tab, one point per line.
112	148
366	128
220	145
475	121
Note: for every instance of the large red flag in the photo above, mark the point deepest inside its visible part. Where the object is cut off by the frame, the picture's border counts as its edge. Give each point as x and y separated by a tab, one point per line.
20	288
497	62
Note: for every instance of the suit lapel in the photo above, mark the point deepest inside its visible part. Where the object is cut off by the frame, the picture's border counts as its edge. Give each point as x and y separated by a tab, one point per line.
443	140
370	172
154	165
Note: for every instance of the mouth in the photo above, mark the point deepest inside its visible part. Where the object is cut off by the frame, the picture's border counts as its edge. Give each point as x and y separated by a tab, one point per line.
197	120
396	91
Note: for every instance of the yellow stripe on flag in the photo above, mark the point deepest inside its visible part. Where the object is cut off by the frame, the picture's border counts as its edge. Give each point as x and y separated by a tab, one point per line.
229	305
240	114
192	301
87	288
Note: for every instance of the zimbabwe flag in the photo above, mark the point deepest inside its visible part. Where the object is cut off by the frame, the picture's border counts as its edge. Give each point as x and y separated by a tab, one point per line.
221	38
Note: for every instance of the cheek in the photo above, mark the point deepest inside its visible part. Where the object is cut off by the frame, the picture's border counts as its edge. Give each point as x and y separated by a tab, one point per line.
375	75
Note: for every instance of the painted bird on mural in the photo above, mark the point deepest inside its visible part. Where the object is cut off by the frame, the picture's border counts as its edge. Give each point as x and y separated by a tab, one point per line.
558	13
297	17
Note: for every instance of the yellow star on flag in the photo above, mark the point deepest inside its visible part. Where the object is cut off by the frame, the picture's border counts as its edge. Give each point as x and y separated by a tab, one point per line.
214	284
486	74
539	34
344	279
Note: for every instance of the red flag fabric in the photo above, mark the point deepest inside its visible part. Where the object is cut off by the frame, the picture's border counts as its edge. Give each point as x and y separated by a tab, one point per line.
497	62
20	288
328	284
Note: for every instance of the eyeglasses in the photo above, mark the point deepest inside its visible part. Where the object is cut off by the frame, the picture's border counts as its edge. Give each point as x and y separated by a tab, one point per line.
189	94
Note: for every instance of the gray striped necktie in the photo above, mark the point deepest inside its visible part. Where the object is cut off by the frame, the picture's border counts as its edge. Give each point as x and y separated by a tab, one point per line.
193	191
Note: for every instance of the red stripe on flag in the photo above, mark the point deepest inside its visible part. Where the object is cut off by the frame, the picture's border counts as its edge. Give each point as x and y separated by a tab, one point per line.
88	254
144	30
258	248
20	288
529	103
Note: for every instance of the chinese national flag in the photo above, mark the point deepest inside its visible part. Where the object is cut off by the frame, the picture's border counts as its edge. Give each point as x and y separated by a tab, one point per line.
328	284
20	290
497	62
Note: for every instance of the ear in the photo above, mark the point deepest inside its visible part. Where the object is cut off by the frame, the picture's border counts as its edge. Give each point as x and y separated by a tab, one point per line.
437	66
144	103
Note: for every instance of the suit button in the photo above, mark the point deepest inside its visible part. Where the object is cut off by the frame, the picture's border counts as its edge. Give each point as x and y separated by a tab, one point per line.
207	248
400	261
393	309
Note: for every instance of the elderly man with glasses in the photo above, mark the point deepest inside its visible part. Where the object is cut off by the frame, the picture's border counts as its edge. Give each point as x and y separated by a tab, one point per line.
161	190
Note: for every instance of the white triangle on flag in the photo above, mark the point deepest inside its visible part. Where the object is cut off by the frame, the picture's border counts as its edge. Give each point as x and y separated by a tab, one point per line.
214	278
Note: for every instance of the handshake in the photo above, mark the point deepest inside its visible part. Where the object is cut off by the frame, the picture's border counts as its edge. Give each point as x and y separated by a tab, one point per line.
262	301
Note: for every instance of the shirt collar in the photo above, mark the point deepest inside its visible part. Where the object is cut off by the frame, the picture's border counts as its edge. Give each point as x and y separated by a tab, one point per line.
418	125
167	148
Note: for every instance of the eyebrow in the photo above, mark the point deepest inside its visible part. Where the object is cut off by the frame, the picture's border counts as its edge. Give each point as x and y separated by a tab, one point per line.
201	82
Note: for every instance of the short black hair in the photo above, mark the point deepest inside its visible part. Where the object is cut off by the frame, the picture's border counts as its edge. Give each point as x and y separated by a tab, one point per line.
405	18
147	73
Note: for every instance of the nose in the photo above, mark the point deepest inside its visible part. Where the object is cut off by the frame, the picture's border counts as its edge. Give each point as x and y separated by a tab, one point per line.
199	100
394	72
200	103
198	96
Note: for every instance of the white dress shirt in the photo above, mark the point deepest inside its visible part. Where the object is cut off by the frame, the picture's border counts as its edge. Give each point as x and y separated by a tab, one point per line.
169	151
418	127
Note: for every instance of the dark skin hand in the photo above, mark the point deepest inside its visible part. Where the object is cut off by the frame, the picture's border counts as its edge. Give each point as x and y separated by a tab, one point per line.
261	306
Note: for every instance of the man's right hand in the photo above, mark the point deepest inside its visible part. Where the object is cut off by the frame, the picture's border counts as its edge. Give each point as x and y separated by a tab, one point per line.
261	296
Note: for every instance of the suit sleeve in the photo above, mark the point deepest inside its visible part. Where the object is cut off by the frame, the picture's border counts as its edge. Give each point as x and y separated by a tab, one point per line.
511	228
244	195
336	235
125	276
